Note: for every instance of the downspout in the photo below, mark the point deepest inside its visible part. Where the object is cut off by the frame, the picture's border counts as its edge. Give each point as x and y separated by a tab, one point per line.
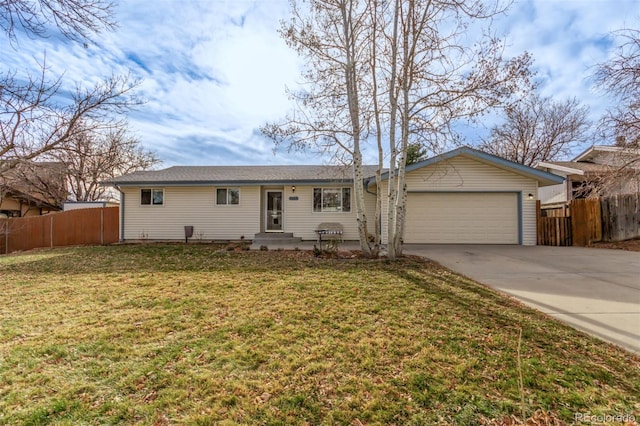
366	189
121	213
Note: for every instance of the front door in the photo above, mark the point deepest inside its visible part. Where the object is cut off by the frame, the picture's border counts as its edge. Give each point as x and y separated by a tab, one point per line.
274	210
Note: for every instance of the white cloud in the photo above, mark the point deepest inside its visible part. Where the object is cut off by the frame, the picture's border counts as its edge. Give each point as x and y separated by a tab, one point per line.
214	71
222	75
566	37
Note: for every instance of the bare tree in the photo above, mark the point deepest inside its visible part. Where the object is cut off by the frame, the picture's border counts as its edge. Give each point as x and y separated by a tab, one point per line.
434	79
36	116
538	129
33	122
76	20
395	71
333	35
620	78
89	158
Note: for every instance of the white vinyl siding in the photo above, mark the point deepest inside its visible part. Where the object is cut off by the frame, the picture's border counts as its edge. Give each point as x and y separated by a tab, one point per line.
300	218
196	206
192	206
462	218
553	194
465	174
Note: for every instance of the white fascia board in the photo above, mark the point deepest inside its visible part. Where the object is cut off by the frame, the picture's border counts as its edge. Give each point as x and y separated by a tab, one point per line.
567	170
606	148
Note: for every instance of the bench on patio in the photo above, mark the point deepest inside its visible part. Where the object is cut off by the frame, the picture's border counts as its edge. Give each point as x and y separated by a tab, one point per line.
331	229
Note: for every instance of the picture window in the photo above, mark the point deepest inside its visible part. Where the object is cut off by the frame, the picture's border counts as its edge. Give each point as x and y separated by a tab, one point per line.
331	199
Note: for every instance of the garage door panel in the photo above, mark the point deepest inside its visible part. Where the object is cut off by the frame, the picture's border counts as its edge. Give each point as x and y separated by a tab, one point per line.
462	218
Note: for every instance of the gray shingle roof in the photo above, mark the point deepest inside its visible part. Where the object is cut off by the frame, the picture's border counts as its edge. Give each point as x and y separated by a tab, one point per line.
202	175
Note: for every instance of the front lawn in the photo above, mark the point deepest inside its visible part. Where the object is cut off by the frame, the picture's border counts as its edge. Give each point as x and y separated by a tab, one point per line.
175	334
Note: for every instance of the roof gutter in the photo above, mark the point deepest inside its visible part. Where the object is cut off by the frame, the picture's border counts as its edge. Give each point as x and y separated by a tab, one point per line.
230	183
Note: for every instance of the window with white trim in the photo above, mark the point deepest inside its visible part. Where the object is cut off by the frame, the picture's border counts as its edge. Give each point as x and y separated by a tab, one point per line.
331	199
152	197
226	196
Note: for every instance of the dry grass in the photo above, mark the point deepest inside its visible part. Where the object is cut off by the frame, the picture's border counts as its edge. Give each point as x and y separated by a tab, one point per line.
175	334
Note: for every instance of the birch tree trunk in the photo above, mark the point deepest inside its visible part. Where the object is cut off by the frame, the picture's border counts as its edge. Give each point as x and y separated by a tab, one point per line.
377	241
351	83
334	37
358	189
392	192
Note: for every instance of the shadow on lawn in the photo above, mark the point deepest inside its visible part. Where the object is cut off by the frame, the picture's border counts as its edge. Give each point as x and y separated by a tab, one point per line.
555	357
494	309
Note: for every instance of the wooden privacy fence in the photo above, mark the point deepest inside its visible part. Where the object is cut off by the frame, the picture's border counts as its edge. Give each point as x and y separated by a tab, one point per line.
554	231
76	227
585	221
580	225
620	217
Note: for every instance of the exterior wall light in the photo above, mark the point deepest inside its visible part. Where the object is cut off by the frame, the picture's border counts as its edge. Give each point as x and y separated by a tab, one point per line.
530	196
293	188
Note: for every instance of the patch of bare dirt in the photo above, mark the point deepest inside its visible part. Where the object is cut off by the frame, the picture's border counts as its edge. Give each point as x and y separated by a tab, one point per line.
629	245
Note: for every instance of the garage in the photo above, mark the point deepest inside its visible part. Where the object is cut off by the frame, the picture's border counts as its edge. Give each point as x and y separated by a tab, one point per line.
462	218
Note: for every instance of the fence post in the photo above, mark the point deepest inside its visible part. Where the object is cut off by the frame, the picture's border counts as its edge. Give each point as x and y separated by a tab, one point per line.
102	226
539	238
51	231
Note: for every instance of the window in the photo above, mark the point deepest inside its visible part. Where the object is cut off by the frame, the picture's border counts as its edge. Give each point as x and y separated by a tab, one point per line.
9	213
331	199
227	196
152	197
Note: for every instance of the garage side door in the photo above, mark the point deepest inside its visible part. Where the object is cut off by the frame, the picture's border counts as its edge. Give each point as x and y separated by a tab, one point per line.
462	218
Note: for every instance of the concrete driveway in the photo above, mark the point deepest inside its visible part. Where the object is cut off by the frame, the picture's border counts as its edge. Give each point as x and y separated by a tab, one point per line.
594	290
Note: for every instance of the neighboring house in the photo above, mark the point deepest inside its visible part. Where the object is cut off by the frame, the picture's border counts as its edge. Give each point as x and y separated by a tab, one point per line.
463	196
600	170
31	189
77	205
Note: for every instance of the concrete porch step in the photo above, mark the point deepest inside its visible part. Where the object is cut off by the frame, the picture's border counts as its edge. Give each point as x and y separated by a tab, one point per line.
276	235
270	239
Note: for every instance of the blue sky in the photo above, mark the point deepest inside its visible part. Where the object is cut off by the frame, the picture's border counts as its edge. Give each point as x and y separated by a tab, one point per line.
214	71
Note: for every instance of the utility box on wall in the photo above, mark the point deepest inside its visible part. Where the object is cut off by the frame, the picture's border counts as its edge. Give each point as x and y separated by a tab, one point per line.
188	233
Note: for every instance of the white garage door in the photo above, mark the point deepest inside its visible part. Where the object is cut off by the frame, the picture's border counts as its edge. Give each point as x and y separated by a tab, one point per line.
462	218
